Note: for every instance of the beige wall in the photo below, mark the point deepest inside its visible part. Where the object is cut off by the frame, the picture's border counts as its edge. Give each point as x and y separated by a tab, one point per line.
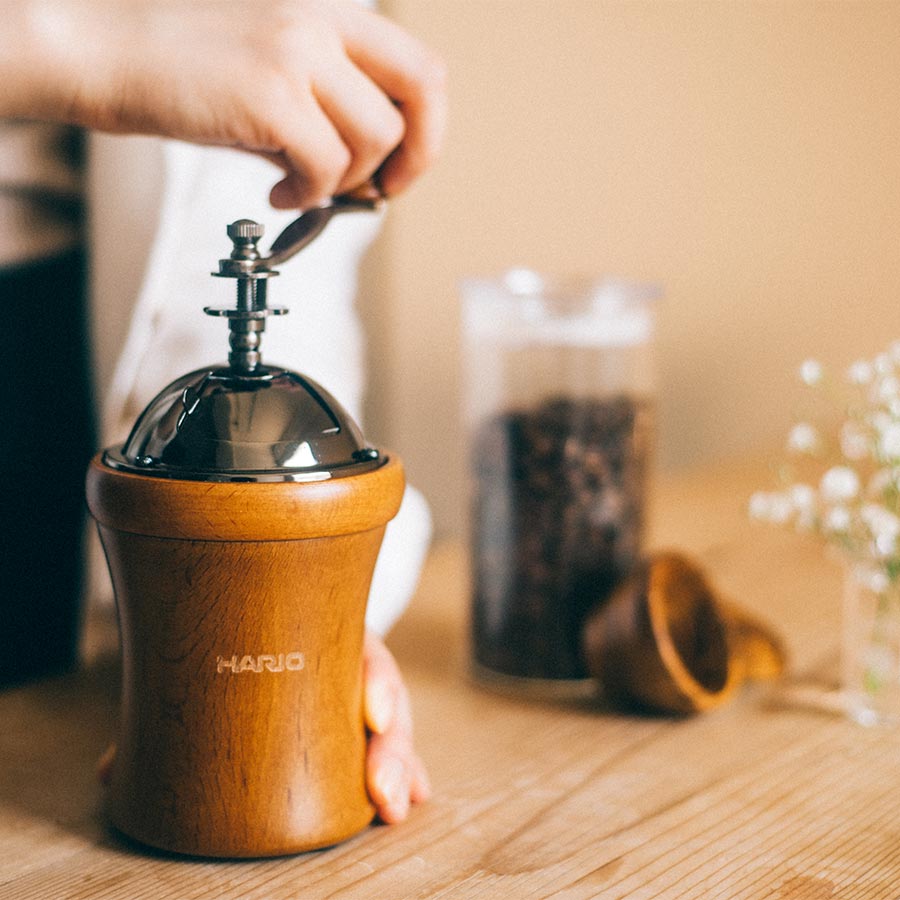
744	155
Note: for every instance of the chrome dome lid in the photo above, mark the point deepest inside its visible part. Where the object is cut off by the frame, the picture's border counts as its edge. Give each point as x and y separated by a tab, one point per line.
245	421
214	425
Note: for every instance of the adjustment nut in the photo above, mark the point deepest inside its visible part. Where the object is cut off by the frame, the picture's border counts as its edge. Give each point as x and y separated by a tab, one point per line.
245	228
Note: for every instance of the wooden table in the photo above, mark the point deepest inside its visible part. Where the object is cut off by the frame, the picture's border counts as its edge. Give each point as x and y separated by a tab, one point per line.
770	797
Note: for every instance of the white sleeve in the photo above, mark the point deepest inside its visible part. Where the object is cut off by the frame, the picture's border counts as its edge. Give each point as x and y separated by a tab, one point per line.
400	562
159	211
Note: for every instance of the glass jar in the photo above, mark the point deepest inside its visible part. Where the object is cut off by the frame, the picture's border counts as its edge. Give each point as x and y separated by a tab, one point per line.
870	657
559	408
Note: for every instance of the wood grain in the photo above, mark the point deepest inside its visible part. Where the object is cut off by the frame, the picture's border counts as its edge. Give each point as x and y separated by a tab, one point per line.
763	798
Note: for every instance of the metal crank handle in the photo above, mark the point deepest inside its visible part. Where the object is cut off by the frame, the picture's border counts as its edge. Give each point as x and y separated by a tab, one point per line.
310	224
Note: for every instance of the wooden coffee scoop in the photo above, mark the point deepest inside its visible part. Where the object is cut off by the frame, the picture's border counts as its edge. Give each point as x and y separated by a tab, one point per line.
665	641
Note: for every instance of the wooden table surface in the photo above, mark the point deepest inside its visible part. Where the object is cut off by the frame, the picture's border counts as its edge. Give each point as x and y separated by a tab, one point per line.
770	797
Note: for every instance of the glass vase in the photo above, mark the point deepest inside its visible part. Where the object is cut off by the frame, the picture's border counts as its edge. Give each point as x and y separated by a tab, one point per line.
871	646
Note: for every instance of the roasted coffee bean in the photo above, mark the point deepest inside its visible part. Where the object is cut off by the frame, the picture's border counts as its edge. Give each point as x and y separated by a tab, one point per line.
557	520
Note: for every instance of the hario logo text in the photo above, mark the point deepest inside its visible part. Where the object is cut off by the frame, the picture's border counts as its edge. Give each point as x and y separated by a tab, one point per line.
265	662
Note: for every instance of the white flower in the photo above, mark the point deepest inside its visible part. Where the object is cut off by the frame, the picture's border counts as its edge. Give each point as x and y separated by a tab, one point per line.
780	509
880	521
881	421
839	484
869	513
803	500
855	504
885	544
811	372
758	506
770	507
802	496
854	442
889	388
803	438
861	372
874	579
889	442
837	519
884	527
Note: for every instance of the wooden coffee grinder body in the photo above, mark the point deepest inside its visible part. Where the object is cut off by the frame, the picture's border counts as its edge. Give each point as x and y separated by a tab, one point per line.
241	611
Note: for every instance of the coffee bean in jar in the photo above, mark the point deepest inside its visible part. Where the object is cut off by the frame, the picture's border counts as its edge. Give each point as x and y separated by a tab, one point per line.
557	517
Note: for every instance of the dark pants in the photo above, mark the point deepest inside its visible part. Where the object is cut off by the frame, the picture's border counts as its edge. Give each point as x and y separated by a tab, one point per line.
46	439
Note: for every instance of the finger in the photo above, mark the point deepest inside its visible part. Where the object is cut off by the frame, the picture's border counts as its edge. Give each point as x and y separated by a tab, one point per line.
385	699
414	78
395	776
389	778
425	127
367	121
316	160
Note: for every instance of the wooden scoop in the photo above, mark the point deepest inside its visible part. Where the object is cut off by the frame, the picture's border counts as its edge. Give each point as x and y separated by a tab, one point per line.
665	641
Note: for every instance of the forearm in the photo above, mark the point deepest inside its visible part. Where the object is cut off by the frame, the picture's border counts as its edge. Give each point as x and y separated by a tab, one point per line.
41	45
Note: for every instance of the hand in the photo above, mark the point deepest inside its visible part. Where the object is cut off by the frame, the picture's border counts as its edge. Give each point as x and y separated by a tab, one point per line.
395	776
328	90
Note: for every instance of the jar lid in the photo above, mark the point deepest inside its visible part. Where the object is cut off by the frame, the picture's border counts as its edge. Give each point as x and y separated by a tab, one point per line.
247	421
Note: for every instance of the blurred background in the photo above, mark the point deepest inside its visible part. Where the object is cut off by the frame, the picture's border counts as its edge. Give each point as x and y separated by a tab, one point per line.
745	156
